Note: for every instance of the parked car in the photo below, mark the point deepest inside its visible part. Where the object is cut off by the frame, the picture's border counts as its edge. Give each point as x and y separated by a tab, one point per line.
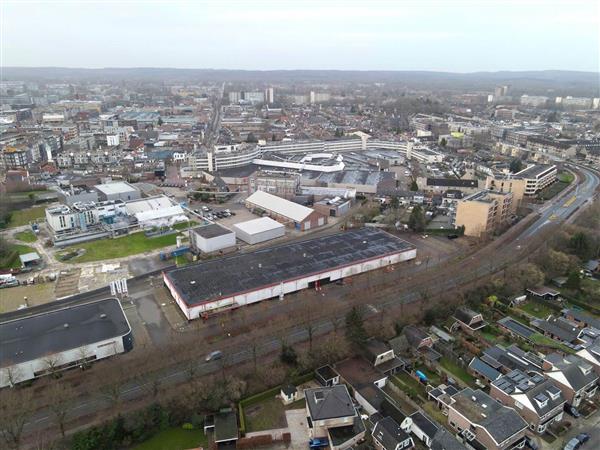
572	411
318	443
583	438
573	444
213	356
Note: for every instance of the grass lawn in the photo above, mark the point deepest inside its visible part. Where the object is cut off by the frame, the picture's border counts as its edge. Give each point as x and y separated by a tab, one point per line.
490	333
24	216
540	339
26	236
457	371
537	309
123	246
565	177
408	384
175	438
11	259
435	413
266	415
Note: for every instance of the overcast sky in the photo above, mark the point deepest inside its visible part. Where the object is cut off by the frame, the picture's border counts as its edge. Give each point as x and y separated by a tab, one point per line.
456	36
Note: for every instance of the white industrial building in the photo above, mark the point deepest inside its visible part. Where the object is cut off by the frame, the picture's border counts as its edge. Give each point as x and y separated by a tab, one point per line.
211	238
300	217
224	283
117	190
537	177
45	339
156	211
259	230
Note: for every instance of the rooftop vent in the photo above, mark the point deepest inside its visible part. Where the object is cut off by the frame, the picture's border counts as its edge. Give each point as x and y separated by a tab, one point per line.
66	325
193	282
103	316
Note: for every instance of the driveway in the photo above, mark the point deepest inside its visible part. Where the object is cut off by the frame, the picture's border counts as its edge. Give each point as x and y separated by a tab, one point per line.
296	420
590	426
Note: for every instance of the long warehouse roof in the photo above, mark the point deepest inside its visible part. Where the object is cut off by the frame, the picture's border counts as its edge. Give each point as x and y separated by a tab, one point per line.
279	205
227	276
48	332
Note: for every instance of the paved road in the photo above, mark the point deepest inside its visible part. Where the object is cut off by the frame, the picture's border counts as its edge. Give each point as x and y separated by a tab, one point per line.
179	374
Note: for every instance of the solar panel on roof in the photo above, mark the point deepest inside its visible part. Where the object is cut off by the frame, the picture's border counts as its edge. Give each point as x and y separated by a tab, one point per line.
537	378
541	398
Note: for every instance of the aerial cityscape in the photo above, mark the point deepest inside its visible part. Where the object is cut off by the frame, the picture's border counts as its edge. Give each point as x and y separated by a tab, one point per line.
300	225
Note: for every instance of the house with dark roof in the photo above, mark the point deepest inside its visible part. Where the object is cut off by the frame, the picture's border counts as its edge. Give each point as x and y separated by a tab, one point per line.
515	328
423	427
574	376
382	356
483	371
581	318
507	359
537	399
484	423
468	320
388	435
544	293
444	440
366	381
331	413
558	328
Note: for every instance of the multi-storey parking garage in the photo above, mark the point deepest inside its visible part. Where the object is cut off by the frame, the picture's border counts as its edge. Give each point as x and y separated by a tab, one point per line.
239	280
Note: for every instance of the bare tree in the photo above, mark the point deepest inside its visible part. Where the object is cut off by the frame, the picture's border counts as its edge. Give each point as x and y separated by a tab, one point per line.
60	401
12	375
15	410
83	353
52	364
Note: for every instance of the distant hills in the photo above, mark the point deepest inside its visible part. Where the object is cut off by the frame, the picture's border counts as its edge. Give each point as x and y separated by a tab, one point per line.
560	82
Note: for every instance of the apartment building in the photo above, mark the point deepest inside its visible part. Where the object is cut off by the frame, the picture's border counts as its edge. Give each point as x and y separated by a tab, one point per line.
538	400
537	177
483	212
482	422
508	183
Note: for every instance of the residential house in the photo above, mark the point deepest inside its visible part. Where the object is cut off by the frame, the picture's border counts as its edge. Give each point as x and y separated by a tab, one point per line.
537	399
507	359
483	423
388	435
559	329
366	381
544	293
468	320
423	427
383	357
444	440
331	413
574	376
581	318
591	354
483	371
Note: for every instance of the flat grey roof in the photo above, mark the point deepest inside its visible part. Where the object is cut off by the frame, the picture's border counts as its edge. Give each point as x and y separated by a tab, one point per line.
26	337
211	231
231	275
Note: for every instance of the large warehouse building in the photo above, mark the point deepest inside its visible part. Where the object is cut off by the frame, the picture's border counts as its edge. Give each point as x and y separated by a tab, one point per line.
220	284
44	339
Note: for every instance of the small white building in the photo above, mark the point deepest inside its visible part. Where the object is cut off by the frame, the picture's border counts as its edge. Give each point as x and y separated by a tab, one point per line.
211	238
259	230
